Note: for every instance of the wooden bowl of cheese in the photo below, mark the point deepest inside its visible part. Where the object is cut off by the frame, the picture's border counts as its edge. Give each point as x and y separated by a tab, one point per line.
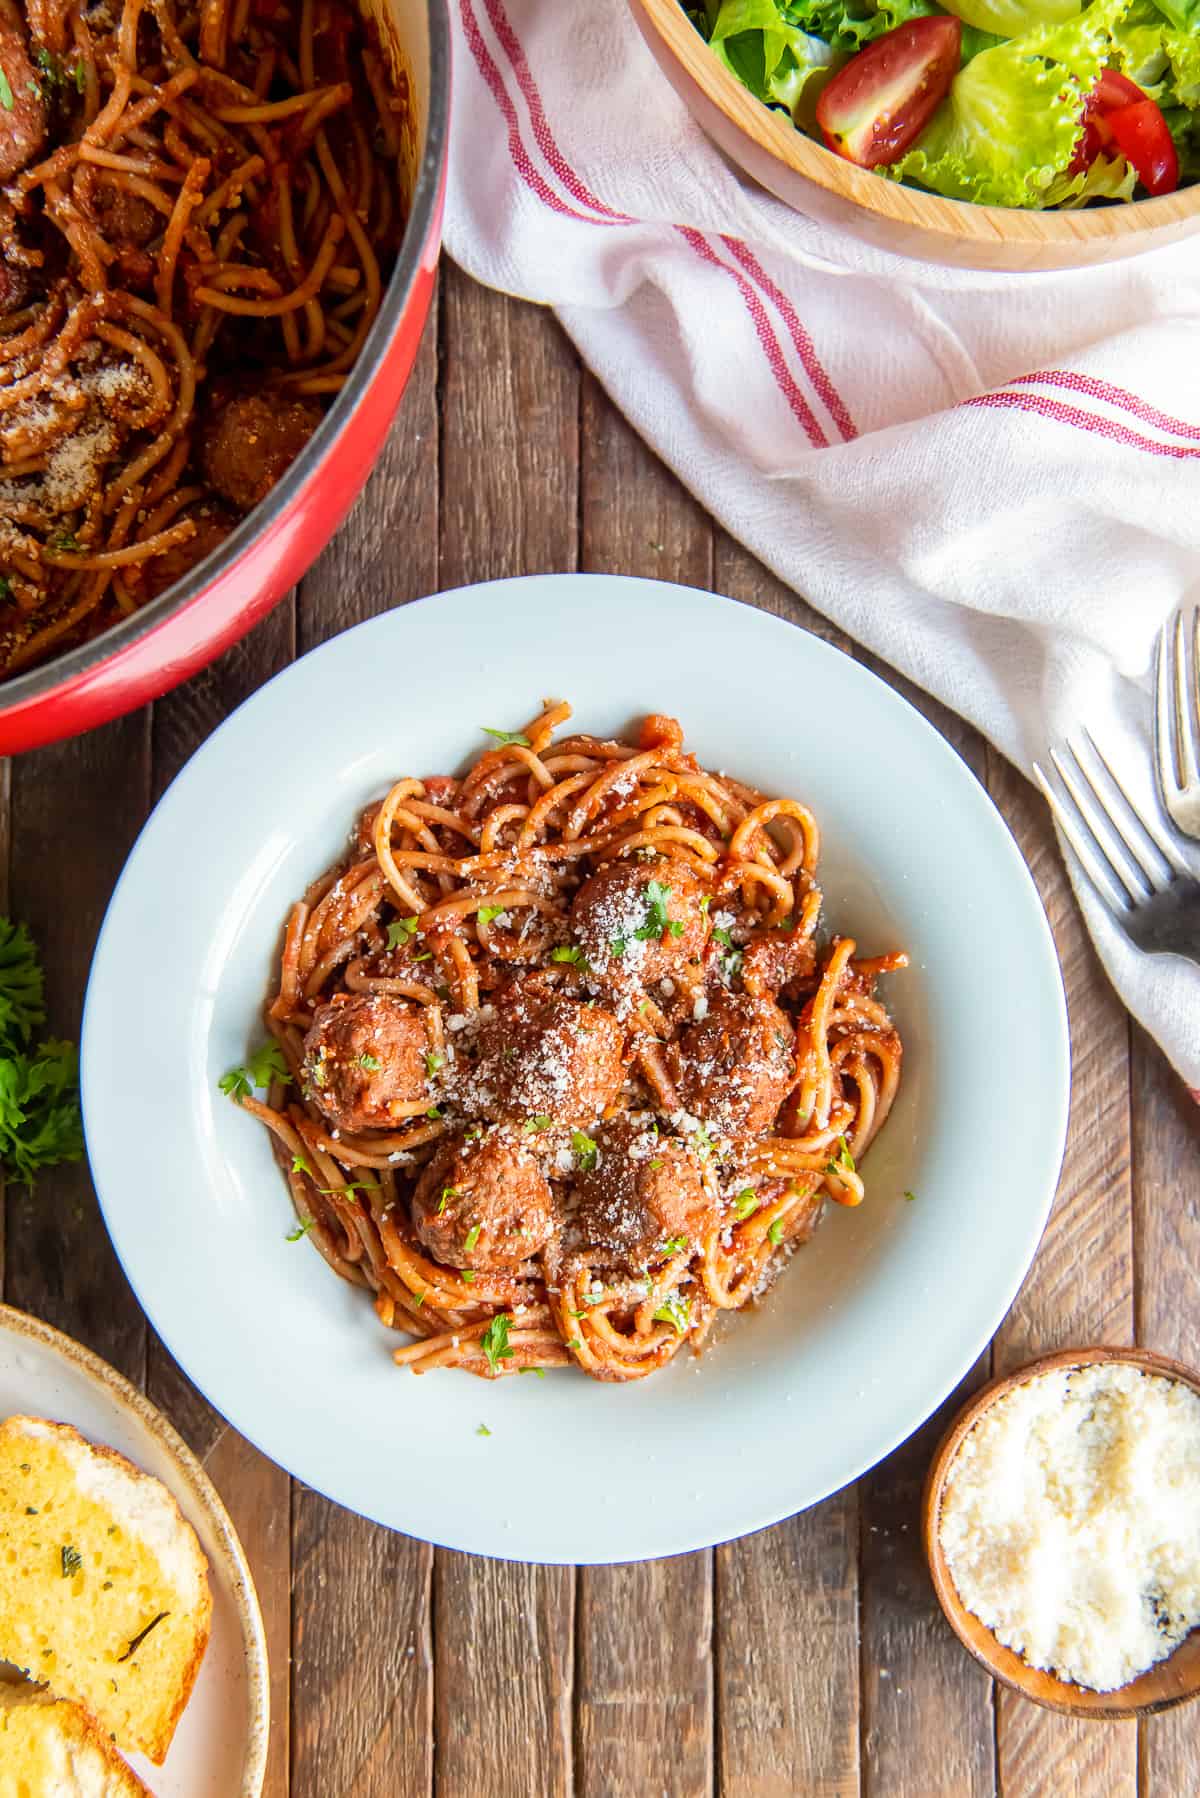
1061	1521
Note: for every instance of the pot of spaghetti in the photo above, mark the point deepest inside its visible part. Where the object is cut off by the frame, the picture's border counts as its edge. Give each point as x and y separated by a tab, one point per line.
219	226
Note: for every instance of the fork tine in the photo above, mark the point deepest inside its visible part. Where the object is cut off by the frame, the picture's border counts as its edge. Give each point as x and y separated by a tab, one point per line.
1149	827
1096	815
1091	857
1186	753
1166	752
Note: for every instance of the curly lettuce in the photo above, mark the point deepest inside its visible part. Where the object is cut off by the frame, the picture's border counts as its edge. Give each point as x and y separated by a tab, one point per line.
1007	131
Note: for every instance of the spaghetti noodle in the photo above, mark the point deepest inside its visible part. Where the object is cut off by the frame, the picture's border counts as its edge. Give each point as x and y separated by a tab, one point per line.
561	1068
199	207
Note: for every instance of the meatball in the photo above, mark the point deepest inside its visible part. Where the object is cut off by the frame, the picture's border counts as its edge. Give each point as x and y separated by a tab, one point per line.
644	1198
23	118
539	1054
365	1061
248	442
735	1067
641	920
162	571
483	1202
772	963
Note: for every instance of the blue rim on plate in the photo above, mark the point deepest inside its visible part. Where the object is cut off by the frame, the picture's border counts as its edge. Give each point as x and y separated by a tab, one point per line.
865	1333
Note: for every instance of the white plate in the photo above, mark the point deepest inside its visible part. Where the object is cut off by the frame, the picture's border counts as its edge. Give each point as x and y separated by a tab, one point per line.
220	1746
873	1323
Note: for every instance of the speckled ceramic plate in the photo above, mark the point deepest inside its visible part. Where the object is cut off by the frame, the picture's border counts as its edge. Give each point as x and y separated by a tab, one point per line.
876	1320
220	1746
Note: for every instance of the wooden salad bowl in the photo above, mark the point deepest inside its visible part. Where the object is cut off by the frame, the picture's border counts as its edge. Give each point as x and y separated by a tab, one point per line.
814	181
1169	1682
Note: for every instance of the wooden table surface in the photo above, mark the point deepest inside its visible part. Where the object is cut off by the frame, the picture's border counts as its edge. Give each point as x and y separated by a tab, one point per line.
808	1659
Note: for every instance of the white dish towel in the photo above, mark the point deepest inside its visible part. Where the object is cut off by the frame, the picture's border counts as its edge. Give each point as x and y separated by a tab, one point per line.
992	481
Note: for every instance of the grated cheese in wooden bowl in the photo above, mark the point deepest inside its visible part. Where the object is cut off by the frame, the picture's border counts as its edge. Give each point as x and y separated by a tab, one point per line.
1070	1520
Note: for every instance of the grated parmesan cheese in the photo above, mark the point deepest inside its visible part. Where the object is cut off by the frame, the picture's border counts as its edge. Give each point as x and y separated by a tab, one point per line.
1071	1521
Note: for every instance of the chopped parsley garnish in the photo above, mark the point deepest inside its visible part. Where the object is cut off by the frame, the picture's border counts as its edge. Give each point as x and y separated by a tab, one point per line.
425	955
656	1164
483	1430
351	1186
617	945
468	1275
676	1311
591	1298
6	93
507	736
911	1197
703	1141
488	913
568	952
673	1245
843	1161
704	905
434	1113
472	1237
746	1202
433	1061
494	1342
448	1192
721	935
266	1064
539	1371
775	1233
585	1150
658	924
63	541
372	1063
301	1230
5	589
300	1166
541	1121
400	930
80	74
72	1561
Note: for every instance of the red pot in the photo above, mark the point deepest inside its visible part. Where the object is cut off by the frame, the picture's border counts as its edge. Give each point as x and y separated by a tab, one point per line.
181	630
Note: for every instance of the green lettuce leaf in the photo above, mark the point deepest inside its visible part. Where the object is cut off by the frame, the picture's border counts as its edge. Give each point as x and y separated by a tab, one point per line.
1012	119
1107	178
1013	18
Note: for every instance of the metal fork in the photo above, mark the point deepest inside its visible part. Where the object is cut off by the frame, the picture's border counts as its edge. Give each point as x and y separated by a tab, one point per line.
1177	719
1128	859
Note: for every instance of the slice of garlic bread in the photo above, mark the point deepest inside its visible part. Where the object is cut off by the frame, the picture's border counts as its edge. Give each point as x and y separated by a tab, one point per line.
104	1595
50	1748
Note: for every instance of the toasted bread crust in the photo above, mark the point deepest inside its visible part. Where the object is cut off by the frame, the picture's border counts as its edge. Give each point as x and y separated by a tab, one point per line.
78	1724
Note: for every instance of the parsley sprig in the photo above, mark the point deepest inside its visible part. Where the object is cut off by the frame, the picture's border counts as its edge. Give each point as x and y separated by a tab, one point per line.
674	1310
6	93
657	924
586	1151
494	1342
39	1087
266	1064
505	737
400	930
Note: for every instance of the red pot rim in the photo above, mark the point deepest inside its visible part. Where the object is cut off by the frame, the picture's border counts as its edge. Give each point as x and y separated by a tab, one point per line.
43	680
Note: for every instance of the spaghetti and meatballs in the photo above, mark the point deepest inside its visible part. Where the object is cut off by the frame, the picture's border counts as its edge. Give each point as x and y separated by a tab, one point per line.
562	1062
199	207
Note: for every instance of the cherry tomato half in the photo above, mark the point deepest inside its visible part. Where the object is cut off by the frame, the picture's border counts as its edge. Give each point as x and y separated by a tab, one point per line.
886	95
1120	119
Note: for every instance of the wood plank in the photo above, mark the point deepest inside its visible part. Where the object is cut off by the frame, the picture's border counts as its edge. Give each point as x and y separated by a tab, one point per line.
915	1674
363	1698
256	1493
787	1657
1166	1259
504	1633
1080	1289
5	832
76	808
361	1674
637	519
